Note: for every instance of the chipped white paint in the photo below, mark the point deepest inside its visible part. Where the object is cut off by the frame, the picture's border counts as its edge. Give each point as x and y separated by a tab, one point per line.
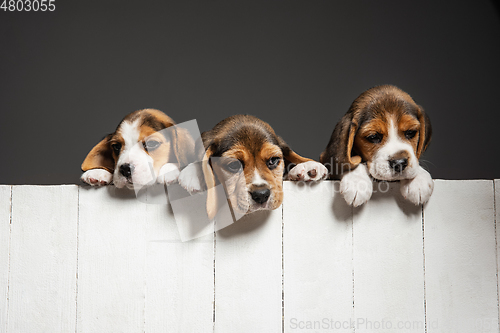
79	259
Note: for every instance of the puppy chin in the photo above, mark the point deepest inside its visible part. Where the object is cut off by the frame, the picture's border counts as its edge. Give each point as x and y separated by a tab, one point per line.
244	206
240	205
381	170
135	183
271	204
256	207
119	181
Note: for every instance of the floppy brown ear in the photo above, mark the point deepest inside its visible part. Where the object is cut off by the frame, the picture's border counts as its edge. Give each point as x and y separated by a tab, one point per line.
425	133
339	149
184	146
209	176
100	157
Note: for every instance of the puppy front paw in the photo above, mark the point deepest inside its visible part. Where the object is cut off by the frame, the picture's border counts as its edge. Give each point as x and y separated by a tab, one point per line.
308	171
191	178
97	177
168	174
356	186
419	189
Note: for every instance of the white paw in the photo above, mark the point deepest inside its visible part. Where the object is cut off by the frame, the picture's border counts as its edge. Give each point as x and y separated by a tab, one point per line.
419	189
308	171
97	177
191	178
356	186
169	173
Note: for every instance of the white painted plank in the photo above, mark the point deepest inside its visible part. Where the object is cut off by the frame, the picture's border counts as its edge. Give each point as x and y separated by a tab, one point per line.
111	261
5	206
179	277
43	259
248	278
388	263
135	274
497	226
317	242
460	258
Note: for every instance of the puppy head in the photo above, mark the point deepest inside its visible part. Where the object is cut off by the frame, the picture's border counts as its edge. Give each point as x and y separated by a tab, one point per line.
244	154
386	129
138	148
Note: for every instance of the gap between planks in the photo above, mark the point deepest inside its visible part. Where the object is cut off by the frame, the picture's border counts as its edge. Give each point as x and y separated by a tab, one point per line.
496	243
9	248
423	263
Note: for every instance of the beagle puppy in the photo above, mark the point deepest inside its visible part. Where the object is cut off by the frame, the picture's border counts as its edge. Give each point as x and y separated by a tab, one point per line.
244	154
382	136
140	152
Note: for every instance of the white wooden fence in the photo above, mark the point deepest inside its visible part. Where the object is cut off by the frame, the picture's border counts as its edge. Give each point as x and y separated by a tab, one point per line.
78	259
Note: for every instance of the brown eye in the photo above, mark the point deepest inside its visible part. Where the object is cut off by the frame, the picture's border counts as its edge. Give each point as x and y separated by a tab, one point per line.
116	147
410	134
273	162
151	145
234	166
375	138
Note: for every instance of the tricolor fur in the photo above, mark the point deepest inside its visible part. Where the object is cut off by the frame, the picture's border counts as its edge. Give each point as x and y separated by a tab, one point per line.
383	135
139	152
244	154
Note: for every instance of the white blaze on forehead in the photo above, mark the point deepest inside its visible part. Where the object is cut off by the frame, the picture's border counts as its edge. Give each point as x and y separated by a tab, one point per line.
393	131
133	153
394	143
132	149
257	180
379	167
130	133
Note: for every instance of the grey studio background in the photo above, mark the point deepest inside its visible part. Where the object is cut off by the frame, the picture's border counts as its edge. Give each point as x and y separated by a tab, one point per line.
68	77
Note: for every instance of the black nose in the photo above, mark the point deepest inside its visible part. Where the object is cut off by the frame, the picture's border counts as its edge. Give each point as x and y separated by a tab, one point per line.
260	196
126	170
398	165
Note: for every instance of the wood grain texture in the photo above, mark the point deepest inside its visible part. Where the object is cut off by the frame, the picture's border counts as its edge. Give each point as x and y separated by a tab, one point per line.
43	257
99	260
135	274
460	258
317	242
111	261
388	263
179	277
248	274
5	206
